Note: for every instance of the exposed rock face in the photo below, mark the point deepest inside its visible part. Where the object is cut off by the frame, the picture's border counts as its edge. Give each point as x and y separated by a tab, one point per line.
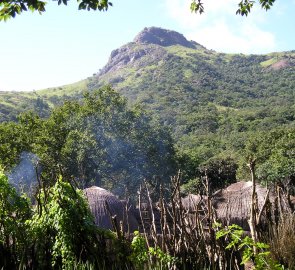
283	63
163	37
149	43
133	54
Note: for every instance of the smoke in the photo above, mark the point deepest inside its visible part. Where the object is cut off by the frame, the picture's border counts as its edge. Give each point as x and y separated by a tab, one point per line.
118	154
23	176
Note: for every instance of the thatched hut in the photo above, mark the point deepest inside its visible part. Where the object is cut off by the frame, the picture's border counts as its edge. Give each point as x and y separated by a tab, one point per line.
233	204
193	202
148	216
107	209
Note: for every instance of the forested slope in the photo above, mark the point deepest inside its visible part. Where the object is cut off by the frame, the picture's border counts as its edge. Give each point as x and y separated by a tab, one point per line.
212	103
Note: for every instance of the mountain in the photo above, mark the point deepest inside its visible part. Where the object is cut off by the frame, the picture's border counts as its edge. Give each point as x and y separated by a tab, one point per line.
212	102
163	37
193	90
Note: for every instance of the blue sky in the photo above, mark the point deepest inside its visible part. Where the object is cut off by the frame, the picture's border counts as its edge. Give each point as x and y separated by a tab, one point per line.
65	45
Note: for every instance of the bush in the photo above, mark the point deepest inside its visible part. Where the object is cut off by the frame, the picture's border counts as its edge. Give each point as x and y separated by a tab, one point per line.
14	210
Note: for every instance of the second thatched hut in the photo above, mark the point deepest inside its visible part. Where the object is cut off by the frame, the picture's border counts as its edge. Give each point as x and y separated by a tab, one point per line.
109	212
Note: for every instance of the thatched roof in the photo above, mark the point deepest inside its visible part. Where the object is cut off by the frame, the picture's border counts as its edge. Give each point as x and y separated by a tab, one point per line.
233	203
104	205
191	201
292	199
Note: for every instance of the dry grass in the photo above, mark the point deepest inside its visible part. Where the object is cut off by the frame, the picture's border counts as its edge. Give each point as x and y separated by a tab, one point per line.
283	241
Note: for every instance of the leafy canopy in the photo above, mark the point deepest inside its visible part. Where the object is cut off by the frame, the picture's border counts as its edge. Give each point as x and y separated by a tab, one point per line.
10	8
244	7
98	140
14	211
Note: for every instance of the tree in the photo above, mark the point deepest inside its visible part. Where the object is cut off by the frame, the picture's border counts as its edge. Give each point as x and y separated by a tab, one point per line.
244	7
11	145
274	155
99	140
14	212
10	8
221	172
62	230
279	162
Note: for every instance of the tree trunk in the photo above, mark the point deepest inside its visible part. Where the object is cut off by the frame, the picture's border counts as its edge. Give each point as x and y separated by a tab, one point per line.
253	218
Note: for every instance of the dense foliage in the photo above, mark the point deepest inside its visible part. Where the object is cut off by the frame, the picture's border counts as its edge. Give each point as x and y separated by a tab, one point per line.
62	231
98	140
245	6
213	103
12	8
58	232
14	211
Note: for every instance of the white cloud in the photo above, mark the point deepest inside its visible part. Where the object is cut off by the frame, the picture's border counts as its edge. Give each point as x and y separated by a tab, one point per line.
180	10
239	39
220	29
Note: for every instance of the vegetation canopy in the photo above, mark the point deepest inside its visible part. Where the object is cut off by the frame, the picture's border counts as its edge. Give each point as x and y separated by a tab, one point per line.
98	140
244	7
11	8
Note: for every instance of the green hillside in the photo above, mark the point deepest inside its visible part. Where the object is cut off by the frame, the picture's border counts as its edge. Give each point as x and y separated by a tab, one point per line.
211	102
175	80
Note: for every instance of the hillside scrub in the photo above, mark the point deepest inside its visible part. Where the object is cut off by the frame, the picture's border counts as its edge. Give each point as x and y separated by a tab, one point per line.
99	140
103	140
211	104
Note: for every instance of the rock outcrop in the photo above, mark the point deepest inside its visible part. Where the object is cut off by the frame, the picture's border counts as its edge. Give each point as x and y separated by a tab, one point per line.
133	54
163	37
150	42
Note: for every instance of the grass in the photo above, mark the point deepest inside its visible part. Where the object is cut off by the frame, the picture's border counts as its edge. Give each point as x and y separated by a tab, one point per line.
17	101
69	89
283	241
181	51
269	62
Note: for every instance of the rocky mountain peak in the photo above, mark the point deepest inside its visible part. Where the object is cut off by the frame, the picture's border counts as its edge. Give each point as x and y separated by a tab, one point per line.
163	37
143	45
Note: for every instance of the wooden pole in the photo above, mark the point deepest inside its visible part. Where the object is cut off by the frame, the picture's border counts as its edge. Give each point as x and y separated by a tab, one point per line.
253	220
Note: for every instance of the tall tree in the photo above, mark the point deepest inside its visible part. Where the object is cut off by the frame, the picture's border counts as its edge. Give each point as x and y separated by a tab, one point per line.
99	140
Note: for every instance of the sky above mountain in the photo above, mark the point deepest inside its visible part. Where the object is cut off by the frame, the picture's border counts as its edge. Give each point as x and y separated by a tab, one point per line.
65	45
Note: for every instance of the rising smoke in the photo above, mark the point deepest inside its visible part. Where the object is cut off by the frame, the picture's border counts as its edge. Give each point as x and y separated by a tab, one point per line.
24	175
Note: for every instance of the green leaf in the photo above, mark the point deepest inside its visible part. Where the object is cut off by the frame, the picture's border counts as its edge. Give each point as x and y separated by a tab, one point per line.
262	245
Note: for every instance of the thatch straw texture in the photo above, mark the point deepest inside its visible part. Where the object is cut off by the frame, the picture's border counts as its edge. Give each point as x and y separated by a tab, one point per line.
104	205
233	203
192	201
